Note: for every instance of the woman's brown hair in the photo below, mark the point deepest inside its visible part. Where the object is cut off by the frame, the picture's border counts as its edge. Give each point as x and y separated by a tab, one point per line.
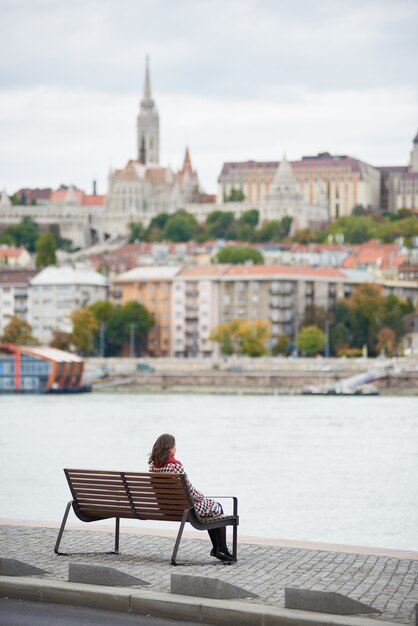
161	449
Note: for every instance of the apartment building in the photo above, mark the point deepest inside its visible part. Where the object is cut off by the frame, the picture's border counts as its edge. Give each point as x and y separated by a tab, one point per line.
152	287
14	286
195	310
56	292
278	294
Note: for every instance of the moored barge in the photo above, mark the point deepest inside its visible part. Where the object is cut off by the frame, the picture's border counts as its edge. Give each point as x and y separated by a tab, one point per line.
40	369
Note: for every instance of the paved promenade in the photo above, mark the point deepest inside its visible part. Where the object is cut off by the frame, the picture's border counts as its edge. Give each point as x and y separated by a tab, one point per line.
386	580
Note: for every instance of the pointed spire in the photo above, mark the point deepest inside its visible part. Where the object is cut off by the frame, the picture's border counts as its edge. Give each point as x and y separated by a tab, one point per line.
187	163
284	175
147	85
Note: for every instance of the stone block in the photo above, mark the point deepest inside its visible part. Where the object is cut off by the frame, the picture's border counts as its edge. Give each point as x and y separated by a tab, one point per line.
100	575
204	587
324	602
13	567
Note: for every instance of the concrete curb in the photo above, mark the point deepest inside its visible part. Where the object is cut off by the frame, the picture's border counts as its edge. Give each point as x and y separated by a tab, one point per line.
156	604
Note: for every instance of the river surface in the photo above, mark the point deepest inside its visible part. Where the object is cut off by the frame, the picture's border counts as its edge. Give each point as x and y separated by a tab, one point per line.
341	470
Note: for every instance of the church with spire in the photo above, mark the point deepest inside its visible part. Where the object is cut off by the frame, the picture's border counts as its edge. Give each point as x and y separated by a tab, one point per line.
143	188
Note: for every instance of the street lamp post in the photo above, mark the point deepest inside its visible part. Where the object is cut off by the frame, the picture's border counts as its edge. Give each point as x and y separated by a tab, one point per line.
102	339
132	340
327	325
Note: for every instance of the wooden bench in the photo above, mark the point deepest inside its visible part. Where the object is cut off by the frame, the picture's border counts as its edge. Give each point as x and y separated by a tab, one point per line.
99	495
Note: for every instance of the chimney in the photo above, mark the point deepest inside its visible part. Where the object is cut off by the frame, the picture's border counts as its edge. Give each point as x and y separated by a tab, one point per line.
94	188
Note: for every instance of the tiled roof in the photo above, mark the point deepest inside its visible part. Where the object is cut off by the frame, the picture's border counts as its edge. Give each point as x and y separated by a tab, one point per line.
61	194
148	273
93	200
67	275
203	270
277	270
16	277
156	174
10	252
325	159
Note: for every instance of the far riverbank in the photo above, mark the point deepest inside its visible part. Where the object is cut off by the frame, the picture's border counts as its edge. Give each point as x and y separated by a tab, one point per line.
278	376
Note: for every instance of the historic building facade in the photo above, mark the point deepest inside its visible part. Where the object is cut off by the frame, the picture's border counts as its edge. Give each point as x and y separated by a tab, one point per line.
399	188
343	181
284	198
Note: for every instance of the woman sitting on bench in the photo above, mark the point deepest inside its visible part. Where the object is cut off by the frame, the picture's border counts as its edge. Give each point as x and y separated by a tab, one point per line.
162	459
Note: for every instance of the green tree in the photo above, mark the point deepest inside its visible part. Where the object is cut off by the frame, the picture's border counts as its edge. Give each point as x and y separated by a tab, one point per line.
238	255
311	340
23	234
273	230
155	229
366	306
317	316
132	314
282	345
18	331
220	225
181	226
136	232
102	311
45	250
84	326
355	228
305	235
250	217
236	195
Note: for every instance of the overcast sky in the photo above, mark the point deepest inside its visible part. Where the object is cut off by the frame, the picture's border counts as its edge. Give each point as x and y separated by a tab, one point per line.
233	79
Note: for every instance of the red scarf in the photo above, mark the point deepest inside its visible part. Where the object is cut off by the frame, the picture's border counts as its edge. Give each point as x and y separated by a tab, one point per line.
170	459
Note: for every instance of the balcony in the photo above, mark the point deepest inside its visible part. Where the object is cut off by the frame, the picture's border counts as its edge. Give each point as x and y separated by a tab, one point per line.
281	288
281	302
282	317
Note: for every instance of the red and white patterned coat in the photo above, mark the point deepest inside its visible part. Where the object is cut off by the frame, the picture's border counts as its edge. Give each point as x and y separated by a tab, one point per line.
205	507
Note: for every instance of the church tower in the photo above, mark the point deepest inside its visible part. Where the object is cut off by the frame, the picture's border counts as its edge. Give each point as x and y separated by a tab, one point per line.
148	125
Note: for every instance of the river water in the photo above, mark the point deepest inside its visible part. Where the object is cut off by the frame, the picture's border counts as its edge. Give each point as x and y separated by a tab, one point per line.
342	470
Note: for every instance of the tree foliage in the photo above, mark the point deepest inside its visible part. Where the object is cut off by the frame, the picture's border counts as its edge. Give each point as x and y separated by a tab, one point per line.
360	318
45	250
23	234
60	339
18	331
238	255
311	340
235	195
242	337
117	324
84	324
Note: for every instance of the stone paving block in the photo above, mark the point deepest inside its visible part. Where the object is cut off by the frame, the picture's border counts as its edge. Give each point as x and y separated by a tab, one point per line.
13	567
324	602
100	575
204	587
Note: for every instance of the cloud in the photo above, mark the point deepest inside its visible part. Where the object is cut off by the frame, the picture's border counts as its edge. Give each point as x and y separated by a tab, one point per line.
242	79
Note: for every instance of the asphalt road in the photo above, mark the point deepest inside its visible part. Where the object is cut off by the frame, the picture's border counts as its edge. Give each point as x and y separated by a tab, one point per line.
22	613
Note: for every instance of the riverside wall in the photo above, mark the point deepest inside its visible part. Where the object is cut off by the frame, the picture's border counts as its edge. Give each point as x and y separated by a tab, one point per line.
267	375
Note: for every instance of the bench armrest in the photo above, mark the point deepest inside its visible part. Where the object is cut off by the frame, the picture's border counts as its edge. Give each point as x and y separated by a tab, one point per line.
233	498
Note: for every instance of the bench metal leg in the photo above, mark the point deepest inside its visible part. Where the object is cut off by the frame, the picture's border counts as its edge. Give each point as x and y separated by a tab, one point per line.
61	531
176	546
117	527
234	541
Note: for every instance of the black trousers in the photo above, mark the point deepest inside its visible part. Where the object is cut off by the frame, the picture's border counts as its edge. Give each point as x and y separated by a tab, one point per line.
218	537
